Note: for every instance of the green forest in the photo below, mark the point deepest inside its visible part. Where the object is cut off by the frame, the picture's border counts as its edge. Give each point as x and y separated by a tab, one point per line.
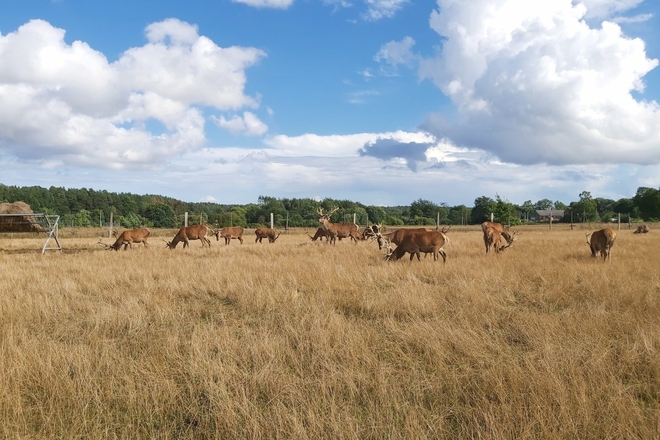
88	208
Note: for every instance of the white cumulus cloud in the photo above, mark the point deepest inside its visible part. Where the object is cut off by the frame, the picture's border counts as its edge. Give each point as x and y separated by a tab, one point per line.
247	124
65	103
534	83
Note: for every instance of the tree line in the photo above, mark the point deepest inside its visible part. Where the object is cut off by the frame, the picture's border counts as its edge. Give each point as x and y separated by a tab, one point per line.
87	207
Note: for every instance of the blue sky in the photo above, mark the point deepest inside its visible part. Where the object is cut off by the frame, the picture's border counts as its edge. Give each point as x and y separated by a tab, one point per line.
378	101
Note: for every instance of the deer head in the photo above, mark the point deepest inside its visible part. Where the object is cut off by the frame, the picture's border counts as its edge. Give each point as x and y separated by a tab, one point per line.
509	237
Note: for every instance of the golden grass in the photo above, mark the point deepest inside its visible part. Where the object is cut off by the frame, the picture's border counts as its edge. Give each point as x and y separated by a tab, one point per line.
301	340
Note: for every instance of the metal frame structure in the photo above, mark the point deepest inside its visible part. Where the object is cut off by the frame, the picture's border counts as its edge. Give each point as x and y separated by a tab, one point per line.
49	224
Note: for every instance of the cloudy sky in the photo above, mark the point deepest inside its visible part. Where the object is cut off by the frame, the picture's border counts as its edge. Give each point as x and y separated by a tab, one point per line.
377	101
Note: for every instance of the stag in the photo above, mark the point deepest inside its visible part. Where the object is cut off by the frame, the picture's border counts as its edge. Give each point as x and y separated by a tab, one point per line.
601	243
396	237
185	234
338	230
421	241
493	232
493	238
128	237
268	233
235	232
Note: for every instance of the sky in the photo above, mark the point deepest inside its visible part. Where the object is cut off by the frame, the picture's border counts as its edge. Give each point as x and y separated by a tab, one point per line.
382	102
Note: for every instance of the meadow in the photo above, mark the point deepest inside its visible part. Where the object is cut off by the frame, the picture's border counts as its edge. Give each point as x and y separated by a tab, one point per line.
302	340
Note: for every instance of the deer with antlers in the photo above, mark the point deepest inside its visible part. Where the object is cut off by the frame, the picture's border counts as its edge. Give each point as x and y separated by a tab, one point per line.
127	238
494	233
338	230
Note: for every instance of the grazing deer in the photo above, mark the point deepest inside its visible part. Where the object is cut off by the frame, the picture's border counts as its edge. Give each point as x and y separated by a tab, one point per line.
235	232
493	238
128	237
268	233
338	230
601	243
185	234
493	234
320	233
421	241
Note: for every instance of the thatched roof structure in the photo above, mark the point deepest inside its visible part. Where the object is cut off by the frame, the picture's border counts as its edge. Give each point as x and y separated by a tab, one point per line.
18	223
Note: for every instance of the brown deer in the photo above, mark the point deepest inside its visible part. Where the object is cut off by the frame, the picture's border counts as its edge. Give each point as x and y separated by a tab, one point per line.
320	233
235	232
493	238
338	230
185	234
493	232
643	229
396	237
128	237
421	241
268	233
601	243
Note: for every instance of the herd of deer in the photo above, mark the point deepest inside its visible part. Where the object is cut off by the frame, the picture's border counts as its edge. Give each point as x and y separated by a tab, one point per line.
408	241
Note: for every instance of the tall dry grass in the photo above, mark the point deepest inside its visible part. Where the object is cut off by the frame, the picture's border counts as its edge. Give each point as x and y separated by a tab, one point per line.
301	340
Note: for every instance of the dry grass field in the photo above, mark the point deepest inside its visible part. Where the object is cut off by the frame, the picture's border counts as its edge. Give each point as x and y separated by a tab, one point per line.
302	340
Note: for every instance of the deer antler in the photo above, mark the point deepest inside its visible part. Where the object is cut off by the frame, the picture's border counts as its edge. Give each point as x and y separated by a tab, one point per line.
336	208
445	229
587	236
100	243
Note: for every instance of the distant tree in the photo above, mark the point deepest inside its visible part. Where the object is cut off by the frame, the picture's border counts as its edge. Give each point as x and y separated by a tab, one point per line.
483	207
625	206
458	215
647	202
544	204
585	209
376	214
161	215
605	208
423	208
83	218
132	221
505	212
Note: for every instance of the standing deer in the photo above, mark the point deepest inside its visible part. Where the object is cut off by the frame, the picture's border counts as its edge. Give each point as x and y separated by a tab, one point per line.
338	230
601	243
235	232
268	233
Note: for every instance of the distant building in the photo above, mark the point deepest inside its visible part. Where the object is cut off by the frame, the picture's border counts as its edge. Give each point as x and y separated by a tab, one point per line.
543	215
